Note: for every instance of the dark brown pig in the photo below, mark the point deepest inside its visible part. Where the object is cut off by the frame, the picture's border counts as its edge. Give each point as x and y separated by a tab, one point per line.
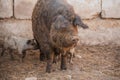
55	20
63	36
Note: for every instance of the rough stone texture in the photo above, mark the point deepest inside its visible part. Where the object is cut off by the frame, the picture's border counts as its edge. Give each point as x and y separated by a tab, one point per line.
111	8
24	8
6	8
87	9
20	28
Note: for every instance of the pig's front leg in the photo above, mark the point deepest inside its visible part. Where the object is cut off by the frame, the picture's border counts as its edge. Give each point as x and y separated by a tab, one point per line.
3	51
50	56
23	55
11	53
64	61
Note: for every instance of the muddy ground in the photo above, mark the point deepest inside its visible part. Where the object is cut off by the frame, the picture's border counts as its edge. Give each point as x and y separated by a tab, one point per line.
90	63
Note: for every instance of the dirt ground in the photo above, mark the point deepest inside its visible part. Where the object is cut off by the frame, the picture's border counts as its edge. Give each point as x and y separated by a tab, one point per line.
90	63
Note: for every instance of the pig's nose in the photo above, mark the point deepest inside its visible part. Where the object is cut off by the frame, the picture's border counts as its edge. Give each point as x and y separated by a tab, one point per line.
75	40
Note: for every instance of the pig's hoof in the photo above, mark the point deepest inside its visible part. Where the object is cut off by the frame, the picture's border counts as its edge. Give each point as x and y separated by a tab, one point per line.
54	62
21	60
48	70
63	68
1	54
12	59
71	62
42	58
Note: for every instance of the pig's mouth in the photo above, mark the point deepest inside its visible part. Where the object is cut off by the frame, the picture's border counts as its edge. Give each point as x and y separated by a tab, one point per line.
75	44
71	42
74	40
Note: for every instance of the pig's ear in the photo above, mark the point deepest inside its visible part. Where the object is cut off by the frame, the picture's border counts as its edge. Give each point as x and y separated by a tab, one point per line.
78	22
58	22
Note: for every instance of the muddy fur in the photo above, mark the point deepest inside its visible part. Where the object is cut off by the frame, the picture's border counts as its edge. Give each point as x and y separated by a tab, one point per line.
50	13
63	34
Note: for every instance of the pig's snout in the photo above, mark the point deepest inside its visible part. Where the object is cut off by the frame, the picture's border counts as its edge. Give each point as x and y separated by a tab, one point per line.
75	40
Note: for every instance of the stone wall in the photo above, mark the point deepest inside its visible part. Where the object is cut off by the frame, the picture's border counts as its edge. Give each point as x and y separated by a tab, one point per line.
102	16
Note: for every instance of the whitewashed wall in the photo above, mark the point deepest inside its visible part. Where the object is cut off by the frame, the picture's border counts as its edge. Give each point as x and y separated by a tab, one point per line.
102	16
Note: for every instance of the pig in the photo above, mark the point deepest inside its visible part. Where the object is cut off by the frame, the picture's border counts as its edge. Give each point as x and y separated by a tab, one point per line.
64	37
20	44
70	55
55	26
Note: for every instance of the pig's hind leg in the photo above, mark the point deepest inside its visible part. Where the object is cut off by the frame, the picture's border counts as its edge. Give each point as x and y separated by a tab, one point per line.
64	61
11	53
3	51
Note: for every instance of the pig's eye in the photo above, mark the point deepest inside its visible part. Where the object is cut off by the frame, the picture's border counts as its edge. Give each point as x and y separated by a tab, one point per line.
29	41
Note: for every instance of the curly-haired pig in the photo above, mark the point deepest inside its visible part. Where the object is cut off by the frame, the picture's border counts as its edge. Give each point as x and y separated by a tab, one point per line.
54	25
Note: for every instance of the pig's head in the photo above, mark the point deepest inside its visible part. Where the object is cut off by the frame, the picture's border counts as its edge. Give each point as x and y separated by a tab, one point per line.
31	44
63	33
